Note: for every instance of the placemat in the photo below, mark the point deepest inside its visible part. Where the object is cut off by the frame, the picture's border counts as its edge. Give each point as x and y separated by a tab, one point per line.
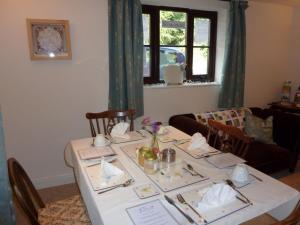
194	196
170	176
93	173
134	136
197	153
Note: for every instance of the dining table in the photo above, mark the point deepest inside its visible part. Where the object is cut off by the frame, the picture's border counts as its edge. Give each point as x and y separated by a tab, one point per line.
265	194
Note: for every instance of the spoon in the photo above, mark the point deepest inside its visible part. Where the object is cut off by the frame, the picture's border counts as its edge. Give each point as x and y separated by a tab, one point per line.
191	168
125	184
183	201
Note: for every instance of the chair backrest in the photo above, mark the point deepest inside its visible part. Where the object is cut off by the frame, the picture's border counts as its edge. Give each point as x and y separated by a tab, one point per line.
109	119
228	138
24	191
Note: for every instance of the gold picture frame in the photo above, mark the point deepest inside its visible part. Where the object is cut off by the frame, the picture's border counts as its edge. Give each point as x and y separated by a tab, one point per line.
49	39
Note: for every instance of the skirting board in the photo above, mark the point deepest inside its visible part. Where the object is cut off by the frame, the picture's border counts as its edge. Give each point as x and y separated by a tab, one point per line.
45	182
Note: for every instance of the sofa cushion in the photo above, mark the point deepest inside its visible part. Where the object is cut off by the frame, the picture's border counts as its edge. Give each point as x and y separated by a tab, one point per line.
233	117
258	128
286	126
267	157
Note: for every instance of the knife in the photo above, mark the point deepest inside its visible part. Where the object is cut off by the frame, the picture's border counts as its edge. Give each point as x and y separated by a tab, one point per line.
171	201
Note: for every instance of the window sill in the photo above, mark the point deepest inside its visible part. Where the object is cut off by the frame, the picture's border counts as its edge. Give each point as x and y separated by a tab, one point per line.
184	85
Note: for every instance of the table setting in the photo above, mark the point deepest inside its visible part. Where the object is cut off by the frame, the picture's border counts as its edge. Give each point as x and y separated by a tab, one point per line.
138	175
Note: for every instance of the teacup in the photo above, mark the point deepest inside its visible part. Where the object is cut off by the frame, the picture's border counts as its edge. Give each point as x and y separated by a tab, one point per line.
240	173
100	140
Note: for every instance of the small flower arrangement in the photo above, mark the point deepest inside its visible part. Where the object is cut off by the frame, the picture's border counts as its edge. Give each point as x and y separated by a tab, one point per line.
155	126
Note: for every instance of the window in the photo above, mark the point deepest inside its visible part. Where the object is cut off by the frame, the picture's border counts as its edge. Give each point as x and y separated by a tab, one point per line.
179	36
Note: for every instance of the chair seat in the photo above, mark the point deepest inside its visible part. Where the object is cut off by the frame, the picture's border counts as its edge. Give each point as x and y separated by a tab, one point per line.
70	211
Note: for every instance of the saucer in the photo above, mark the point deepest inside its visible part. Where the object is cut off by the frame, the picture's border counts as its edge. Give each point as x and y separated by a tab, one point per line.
106	143
146	191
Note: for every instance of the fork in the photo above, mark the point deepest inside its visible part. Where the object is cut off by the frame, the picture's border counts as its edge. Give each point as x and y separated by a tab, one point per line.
183	201
231	184
125	184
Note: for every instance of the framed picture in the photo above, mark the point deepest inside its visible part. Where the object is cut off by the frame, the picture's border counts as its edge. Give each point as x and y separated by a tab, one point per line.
49	39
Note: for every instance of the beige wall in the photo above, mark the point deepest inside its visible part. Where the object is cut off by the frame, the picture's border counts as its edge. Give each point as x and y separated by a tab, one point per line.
268	46
44	102
294	52
161	103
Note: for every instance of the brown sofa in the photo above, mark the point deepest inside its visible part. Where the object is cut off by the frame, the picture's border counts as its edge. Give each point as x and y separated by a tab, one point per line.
268	158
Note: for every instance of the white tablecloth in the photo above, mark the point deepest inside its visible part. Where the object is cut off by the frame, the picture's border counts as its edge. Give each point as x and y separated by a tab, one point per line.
110	208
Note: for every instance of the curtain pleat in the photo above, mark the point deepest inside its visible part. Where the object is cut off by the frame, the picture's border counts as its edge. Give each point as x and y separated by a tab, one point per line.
233	80
7	214
126	56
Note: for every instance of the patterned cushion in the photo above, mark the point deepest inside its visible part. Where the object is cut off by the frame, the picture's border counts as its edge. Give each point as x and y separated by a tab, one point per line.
260	129
233	117
70	211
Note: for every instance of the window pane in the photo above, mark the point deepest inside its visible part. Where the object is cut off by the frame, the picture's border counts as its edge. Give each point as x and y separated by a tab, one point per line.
200	61
146	28
172	28
171	56
146	62
201	31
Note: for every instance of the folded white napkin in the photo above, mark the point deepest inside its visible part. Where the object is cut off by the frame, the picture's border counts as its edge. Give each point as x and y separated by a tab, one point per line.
216	196
198	141
119	130
109	172
163	130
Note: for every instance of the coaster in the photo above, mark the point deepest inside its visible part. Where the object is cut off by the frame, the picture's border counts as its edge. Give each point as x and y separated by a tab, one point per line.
146	191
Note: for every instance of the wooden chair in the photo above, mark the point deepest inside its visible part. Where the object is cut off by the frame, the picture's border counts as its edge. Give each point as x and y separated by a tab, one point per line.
109	119
228	138
70	211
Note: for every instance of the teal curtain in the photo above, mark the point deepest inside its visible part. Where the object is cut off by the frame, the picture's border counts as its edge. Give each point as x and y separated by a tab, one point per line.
232	89
7	216
126	55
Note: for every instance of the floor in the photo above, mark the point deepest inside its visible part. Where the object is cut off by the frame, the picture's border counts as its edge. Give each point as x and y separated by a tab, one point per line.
64	191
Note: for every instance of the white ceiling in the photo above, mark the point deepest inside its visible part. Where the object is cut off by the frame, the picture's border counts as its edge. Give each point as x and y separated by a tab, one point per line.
295	3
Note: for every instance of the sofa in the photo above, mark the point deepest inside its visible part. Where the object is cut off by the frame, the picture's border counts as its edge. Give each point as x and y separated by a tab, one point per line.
268	158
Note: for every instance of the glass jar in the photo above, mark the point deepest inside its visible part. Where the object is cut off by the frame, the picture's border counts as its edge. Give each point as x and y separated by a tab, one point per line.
141	154
150	165
155	146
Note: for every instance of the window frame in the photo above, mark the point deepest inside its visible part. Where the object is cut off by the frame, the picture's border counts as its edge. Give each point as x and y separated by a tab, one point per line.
154	45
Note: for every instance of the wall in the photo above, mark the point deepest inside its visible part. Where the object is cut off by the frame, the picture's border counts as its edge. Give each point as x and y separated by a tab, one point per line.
294	51
44	102
268	47
161	103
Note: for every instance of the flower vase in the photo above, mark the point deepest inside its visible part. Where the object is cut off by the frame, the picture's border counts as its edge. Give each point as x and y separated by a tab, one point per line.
155	146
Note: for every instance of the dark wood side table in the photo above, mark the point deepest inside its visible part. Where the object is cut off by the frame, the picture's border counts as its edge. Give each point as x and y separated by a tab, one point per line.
286	107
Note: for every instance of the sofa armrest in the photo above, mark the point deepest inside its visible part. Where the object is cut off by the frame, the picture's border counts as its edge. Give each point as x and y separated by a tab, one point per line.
188	125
